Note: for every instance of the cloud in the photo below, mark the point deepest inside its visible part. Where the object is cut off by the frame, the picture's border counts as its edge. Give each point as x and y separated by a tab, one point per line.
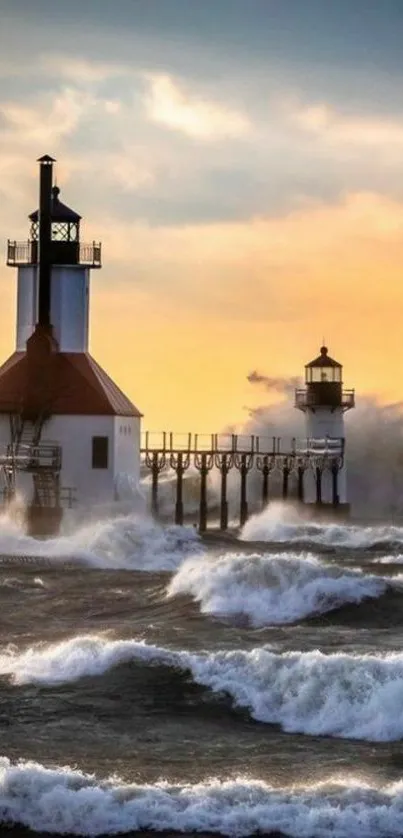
46	121
331	126
102	119
80	70
169	105
127	171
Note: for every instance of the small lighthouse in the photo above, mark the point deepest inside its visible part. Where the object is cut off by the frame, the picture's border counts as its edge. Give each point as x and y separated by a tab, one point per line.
72	436
324	402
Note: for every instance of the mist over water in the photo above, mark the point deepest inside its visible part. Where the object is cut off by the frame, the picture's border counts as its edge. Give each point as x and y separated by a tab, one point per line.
374	458
282	523
374	446
132	542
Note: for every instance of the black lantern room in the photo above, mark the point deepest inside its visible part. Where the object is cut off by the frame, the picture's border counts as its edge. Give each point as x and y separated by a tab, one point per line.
65	231
324	385
63	245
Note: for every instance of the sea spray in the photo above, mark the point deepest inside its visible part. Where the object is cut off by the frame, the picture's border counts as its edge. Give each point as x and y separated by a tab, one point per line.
374	437
126	542
282	523
340	695
167	486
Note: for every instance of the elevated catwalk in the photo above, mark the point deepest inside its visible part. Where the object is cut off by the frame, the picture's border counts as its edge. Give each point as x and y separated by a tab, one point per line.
267	455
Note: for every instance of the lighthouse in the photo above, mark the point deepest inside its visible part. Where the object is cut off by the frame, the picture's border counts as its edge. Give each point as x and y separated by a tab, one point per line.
68	435
324	402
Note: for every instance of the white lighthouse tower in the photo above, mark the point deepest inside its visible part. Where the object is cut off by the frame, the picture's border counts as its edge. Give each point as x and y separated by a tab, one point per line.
72	435
324	402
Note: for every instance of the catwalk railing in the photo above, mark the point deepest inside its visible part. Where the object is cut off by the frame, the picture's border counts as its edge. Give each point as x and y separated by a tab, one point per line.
43	461
46	455
264	454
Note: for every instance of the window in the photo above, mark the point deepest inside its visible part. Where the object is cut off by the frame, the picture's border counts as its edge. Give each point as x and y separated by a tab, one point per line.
100	452
314	375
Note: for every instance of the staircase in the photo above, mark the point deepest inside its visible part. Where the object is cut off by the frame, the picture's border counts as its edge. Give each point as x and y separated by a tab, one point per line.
43	460
27	433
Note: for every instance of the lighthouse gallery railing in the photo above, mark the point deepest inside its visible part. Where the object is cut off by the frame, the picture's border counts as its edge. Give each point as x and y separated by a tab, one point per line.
305	399
26	253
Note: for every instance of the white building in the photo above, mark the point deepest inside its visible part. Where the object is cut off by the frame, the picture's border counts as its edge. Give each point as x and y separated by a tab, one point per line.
53	394
324	402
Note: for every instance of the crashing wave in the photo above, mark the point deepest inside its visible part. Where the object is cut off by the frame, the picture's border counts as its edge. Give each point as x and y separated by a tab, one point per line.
127	542
270	589
341	695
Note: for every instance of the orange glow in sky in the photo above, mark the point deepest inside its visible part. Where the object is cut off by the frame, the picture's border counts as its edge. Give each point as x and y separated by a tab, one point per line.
247	210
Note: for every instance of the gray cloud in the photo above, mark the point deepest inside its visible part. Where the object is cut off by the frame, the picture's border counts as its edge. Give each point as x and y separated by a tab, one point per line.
310	31
173	179
348	51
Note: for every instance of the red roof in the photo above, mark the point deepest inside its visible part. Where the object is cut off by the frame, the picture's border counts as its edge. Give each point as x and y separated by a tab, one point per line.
71	383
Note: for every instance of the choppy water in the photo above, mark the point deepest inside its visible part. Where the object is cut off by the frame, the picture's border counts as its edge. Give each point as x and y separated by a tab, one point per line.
153	681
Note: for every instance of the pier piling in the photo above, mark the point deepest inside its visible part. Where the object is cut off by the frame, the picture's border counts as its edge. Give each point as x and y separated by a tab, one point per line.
244	452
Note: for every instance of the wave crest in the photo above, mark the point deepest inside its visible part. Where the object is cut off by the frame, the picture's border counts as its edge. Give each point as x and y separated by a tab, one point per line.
271	589
341	695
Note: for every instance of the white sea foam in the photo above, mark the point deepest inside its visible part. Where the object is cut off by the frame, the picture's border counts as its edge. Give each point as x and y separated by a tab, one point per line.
73	659
13	582
62	800
280	523
131	542
341	695
270	589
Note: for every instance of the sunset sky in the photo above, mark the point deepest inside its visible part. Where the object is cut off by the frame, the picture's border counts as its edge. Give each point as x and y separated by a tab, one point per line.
241	162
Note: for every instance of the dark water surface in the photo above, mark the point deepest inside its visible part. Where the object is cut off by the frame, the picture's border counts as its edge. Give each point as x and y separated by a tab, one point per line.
249	688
